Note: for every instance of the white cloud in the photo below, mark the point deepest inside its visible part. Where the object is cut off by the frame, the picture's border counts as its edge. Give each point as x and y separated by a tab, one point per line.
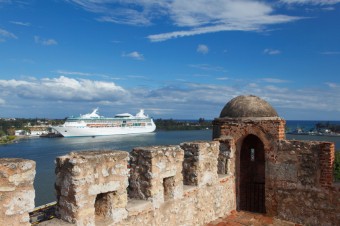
137	76
75	95
63	88
134	55
274	80
193	17
271	51
222	78
45	42
6	35
2	102
312	2
202	49
207	67
330	53
26	24
330	8
332	85
73	73
131	12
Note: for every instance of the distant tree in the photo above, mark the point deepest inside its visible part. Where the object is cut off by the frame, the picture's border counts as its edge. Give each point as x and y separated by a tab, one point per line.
11	131
201	120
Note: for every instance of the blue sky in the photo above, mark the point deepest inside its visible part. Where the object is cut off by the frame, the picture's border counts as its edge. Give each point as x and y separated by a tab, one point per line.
174	58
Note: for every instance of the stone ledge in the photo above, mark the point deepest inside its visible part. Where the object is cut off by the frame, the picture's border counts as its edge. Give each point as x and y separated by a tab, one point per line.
136	206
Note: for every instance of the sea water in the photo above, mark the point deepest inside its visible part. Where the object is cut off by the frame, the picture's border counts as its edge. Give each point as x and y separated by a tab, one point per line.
44	151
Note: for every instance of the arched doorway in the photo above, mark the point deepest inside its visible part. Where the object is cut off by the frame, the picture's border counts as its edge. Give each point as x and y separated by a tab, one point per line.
252	175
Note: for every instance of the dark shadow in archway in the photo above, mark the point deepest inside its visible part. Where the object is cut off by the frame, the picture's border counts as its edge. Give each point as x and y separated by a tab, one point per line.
252	175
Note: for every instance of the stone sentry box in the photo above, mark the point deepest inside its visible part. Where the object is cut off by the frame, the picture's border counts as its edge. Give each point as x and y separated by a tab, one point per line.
90	185
16	191
156	173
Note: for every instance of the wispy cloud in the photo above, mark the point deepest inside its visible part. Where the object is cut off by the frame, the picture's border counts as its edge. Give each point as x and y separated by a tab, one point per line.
138	12
274	80
25	24
222	78
204	49
81	93
332	85
191	17
330	8
62	72
45	42
271	51
207	67
311	2
134	55
330	53
2	101
4	35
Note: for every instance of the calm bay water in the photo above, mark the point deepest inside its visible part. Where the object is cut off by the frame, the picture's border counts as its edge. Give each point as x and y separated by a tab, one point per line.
44	151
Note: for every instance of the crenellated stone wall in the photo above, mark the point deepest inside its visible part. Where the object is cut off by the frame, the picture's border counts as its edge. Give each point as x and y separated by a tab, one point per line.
299	184
248	166
90	185
16	191
156	174
298	175
198	193
200	163
192	183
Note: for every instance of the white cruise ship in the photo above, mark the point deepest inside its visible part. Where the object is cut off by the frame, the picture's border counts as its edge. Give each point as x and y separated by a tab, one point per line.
95	125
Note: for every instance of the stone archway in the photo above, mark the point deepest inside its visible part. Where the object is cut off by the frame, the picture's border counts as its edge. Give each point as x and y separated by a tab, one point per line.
252	175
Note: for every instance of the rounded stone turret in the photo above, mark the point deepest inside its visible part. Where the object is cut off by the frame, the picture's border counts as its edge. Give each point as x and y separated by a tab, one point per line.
247	106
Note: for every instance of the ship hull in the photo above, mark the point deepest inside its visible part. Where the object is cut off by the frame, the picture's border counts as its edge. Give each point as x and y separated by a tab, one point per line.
69	131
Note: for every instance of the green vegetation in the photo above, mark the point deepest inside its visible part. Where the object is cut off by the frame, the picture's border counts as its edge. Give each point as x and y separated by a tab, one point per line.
8	126
7	139
327	125
337	166
170	124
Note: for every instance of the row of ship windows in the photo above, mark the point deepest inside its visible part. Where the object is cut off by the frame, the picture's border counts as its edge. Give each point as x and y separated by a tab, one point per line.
121	125
108	122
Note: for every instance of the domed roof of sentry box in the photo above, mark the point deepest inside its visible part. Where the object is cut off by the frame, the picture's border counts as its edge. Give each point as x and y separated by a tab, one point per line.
248	106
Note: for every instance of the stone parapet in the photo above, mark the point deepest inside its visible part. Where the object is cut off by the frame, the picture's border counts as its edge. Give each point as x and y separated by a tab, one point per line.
90	185
200	162
226	158
156	173
16	191
299	183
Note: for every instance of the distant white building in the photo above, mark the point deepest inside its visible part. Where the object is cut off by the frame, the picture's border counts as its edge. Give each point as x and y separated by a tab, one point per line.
20	132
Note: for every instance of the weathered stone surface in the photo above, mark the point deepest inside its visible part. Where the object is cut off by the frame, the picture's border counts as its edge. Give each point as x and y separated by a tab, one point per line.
200	162
16	191
248	106
156	173
90	184
226	158
297	173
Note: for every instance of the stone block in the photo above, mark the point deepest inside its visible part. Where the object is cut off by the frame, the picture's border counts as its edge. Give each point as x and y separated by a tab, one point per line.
200	162
156	173
16	191
92	184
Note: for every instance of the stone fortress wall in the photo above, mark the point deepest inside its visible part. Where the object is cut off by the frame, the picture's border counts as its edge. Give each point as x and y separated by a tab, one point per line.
188	184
